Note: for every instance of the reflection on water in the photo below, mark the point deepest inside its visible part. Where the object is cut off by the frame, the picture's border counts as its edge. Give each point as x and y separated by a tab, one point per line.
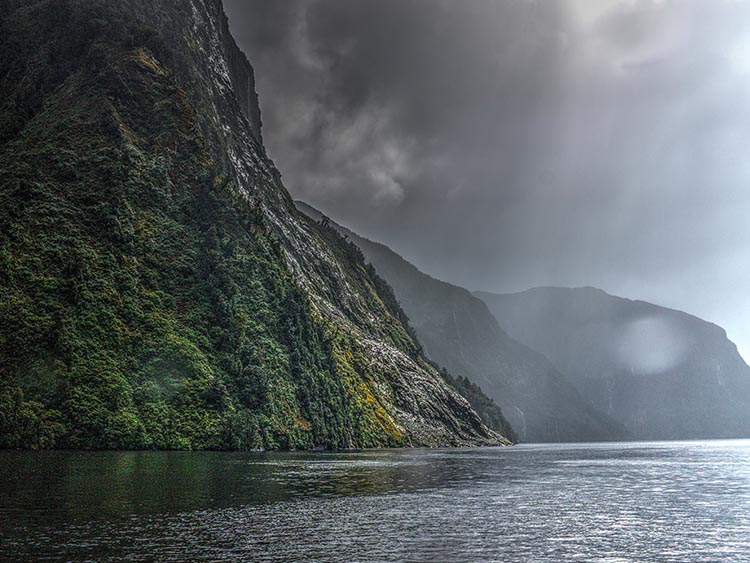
548	503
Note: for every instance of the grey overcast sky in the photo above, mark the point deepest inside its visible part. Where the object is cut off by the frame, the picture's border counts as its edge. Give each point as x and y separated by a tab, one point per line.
505	144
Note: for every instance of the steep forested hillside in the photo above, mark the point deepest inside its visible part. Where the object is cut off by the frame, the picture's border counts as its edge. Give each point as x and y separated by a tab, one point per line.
157	287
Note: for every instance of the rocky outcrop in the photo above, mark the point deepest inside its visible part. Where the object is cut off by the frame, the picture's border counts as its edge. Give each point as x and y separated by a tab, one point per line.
662	373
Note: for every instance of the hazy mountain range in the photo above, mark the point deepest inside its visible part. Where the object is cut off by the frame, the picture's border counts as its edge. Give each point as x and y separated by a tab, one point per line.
459	332
661	373
576	364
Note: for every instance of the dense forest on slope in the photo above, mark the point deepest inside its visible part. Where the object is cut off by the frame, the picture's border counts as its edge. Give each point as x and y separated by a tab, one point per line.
157	290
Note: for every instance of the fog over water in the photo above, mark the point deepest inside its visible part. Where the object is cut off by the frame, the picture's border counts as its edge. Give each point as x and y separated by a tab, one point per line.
507	144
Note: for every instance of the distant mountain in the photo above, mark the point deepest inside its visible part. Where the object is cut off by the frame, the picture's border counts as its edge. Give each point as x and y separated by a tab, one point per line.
662	373
459	332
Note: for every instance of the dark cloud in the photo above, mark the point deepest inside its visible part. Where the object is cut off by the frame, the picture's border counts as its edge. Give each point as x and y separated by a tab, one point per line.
502	144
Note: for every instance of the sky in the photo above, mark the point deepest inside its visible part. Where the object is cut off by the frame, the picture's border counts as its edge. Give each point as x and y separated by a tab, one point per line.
507	144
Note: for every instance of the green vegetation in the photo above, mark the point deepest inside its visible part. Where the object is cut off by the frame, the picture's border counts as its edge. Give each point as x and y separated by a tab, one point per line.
143	304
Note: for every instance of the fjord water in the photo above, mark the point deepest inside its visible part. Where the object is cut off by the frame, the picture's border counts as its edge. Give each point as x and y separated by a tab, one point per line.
677	501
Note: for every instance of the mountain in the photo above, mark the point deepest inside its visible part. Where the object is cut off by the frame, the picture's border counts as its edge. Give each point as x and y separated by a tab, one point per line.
459	332
662	373
158	288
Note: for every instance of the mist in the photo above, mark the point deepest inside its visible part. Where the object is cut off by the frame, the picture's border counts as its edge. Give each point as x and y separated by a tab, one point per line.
506	145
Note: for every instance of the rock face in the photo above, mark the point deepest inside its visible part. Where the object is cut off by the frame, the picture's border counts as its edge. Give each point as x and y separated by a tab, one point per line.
662	373
158	288
459	332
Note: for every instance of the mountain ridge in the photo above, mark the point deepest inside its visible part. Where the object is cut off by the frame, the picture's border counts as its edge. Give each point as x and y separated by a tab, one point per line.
664	373
459	332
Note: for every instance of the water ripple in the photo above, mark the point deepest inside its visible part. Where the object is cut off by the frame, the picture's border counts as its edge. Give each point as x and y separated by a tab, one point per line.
667	503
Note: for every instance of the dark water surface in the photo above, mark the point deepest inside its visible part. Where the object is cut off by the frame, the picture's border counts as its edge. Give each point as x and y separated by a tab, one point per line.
684	502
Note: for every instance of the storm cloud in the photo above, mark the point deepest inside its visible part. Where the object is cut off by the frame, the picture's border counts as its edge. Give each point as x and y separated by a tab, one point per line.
507	144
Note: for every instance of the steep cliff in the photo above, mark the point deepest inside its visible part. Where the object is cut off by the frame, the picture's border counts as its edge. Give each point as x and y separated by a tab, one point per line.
158	289
459	332
662	373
